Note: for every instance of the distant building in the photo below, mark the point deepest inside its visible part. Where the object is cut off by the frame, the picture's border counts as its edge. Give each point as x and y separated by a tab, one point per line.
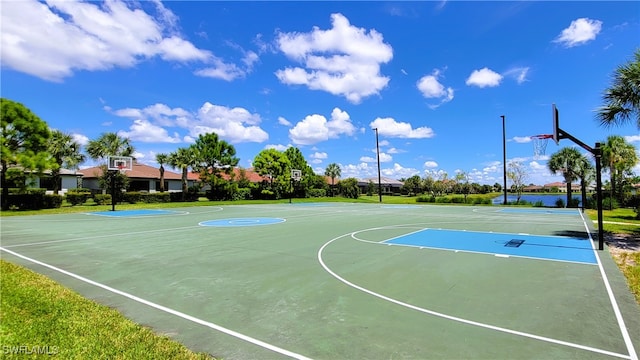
69	179
141	178
389	186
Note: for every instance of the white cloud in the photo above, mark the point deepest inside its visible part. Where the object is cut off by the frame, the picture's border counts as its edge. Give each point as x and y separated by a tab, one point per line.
431	88
384	157
103	36
319	155
484	77
579	32
522	139
283	121
344	60
278	147
632	138
80	139
518	73
144	131
390	127
430	164
234	125
398	171
315	128
537	166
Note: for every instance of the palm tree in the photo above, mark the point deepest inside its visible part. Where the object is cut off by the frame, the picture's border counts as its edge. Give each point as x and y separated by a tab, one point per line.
66	154
565	162
162	159
333	171
619	156
586	172
183	158
622	99
109	144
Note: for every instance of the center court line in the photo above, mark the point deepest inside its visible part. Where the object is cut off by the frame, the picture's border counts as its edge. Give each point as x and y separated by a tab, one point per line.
166	309
612	299
458	319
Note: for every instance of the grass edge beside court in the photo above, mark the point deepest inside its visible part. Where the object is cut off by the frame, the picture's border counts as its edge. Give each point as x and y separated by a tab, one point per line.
41	316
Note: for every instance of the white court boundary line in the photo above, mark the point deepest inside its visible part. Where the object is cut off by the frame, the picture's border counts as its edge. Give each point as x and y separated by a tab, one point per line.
166	309
458	319
612	298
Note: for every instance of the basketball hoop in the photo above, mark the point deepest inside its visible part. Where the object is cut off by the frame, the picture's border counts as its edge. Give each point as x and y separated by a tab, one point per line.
540	145
296	175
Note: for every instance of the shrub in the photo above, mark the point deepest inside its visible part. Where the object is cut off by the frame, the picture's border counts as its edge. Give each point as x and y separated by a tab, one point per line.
52	201
158	197
538	203
314	193
77	198
426	198
102	199
242	194
132	197
560	203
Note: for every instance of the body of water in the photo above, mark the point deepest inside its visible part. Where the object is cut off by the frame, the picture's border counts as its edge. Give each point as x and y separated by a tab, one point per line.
547	200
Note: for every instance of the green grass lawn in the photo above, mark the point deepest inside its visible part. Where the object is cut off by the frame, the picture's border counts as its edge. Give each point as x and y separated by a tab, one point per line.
628	261
40	317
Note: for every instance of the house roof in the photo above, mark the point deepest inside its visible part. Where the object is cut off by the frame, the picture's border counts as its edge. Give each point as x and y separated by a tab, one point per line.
383	181
138	171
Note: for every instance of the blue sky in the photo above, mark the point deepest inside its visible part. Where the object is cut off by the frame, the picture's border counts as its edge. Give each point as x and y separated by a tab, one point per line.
433	77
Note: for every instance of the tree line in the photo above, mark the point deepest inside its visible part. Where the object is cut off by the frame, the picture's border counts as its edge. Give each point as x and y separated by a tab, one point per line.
30	147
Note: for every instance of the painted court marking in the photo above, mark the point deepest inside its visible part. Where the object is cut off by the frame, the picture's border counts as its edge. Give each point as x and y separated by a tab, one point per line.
531	246
241	222
542	211
222	329
137	213
454	318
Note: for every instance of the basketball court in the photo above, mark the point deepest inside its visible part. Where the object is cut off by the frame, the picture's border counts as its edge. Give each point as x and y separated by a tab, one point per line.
345	281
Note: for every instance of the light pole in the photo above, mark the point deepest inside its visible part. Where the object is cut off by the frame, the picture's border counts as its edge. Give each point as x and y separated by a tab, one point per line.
378	157
504	159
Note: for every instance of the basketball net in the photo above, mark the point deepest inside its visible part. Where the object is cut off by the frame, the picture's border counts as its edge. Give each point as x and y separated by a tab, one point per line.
540	145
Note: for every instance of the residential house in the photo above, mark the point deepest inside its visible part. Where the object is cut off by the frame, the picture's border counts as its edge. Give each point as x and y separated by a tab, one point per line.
389	186
141	178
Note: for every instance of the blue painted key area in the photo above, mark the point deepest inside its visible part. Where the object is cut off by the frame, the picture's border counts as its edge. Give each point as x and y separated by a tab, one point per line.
532	246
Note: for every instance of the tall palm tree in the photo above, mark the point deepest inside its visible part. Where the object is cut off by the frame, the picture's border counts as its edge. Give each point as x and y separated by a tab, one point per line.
333	171
622	98
109	144
66	154
183	159
565	162
619	157
162	159
586	172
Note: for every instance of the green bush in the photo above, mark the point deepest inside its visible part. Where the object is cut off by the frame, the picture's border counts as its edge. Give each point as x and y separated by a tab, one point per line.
426	198
132	197
538	203
102	199
315	193
242	194
52	201
158	197
78	196
34	201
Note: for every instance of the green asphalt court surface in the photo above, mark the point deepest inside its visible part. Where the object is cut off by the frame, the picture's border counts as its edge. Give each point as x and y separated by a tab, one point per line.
336	281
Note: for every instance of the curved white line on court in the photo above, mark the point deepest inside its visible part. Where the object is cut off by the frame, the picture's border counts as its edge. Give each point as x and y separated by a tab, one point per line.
455	318
222	329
